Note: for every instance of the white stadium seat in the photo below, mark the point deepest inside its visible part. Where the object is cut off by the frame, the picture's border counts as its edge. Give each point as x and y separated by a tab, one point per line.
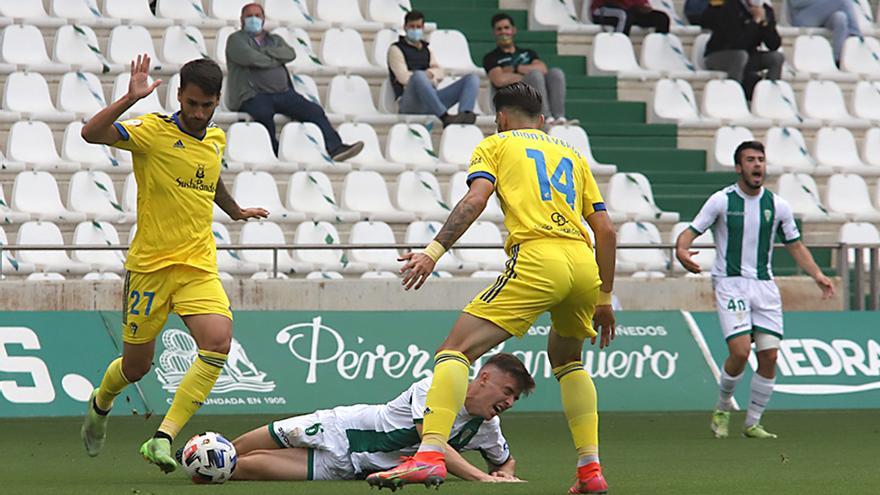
229	260
346	13
726	100
36	193
81	93
46	234
576	136
269	276
344	48
866	100
98	233
704	257
775	100
303	143
148	104
370	232
189	13
411	144
24	47
9	262
295	12
311	194
129	194
423	233
458	142
8	165
324	259
786	149
613	54
82	13
93	276
380	274
859	233
486	274
388	12
836	148
664	53
482	233
92	194
450	48
27	93
458	187
871	148
180	44
860	56
127	42
698	50
134	11
630	193
556	15
674	101
269	233
306	60
324	276
848	194
823	100
370	158
419	192
29	11
7	214
865	16
307	87
259	188
350	96
227	10
642	259
45	277
367	193
725	142
383	40
249	143
171	87
72	47
813	56
32	142
802	194
220	40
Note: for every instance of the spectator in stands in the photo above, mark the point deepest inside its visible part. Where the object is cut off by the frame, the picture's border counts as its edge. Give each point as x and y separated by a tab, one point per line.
739	27
414	74
837	15
508	63
624	14
260	85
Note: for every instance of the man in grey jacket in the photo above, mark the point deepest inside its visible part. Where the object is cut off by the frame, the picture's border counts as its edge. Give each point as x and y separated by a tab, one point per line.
260	85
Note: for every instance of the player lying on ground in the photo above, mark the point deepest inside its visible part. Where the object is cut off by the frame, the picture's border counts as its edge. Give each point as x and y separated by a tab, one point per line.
349	442
546	189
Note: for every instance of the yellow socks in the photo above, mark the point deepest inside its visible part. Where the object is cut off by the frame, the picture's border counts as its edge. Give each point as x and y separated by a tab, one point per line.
193	390
579	403
113	383
445	398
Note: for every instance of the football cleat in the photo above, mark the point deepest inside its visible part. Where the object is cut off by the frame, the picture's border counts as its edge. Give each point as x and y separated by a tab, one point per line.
757	431
94	428
720	423
158	452
411	471
595	485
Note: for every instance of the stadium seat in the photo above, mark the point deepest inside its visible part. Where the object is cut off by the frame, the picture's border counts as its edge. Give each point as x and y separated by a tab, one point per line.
664	53
458	142
446	81
674	101
557	15
306	61
248	143
380	274
725	142
823	100
307	87
221	37
344	48
370	232
848	194
871	148
129	194
411	144
92	194
813	56
383	40
9	262
303	143
350	96
860	56
775	100
419	192
859	233
481	232
134	12
726	100
45	277
226	10
148	104
128	41
324	276
27	93
458	187
677	25
295	12
613	55
31	142
180	44
786	150
187	13
836	148
39	233
259	189
486	274
93	276
344	13
269	233
630	193
450	48
651	260
366	193
698	50
423	233
705	257
865	16
94	233
23	46
576	136
36	193
229	260
866	100
324	259
269	276
7	214
371	157
802	194
74	46
29	11
388	12
81	93
7	165
82	13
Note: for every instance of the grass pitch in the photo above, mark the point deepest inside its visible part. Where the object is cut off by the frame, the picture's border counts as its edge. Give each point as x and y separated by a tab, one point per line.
818	452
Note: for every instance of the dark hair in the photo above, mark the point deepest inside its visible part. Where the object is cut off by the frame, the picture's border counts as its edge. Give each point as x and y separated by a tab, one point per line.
520	97
511	365
204	73
746	145
262	10
413	15
500	17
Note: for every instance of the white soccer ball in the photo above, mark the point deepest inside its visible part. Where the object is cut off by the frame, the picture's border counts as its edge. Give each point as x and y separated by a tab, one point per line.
208	458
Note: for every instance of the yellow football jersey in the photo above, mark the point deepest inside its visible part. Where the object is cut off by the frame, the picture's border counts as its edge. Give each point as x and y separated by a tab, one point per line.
544	185
176	176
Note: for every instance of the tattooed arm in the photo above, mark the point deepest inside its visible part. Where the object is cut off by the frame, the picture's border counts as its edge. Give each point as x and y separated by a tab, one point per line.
226	203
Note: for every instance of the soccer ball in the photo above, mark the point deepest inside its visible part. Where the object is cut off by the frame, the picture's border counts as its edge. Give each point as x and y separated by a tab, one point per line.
208	458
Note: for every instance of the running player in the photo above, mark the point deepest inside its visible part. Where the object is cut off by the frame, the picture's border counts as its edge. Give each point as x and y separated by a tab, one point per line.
745	218
172	262
546	189
349	442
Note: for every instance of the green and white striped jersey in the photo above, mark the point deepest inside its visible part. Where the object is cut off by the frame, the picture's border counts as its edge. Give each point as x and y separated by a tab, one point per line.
744	228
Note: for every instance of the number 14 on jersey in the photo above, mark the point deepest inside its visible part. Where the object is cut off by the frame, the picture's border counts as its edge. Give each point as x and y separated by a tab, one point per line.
562	179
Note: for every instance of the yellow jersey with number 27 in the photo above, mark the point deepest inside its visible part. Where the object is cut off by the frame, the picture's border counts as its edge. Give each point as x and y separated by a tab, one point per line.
176	176
544	185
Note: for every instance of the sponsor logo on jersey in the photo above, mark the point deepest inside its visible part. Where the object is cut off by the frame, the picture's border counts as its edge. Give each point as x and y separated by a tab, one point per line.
179	145
133	122
767	215
314	429
197	183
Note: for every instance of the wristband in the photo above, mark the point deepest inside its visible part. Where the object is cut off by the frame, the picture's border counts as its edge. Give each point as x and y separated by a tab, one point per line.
604	298
434	251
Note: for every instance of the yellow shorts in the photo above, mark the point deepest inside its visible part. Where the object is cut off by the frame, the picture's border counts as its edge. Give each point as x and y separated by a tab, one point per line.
556	275
183	289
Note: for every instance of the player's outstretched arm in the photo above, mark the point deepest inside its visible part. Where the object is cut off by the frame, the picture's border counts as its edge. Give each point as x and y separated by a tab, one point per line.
683	251
226	203
99	129
805	260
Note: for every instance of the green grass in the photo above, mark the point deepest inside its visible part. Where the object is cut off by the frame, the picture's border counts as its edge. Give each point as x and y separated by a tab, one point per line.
818	452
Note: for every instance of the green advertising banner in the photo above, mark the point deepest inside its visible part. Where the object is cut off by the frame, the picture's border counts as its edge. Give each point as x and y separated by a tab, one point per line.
826	360
284	362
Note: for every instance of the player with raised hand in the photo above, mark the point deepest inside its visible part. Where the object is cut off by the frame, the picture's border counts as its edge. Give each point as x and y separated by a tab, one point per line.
546	189
172	262
745	218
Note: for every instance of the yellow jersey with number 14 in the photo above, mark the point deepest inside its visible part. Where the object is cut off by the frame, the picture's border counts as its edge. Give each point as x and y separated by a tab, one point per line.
176	176
544	185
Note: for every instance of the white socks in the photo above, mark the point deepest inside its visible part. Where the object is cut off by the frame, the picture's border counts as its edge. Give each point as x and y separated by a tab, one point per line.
727	386
762	389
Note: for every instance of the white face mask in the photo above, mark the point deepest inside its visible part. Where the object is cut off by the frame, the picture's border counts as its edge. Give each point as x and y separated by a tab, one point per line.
253	24
414	34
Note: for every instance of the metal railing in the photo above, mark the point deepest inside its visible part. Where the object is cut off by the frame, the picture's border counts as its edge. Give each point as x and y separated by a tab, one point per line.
865	267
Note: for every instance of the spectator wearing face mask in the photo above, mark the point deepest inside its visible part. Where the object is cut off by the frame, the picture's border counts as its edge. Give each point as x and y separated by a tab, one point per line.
509	63
415	74
260	85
